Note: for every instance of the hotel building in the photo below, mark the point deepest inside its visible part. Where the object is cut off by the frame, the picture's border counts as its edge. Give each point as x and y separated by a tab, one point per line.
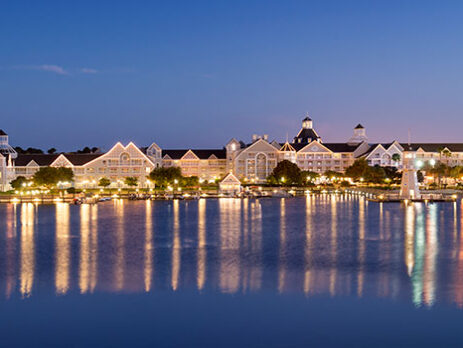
249	162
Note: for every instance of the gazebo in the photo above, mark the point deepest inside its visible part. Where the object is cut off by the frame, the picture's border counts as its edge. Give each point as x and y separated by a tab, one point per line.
230	185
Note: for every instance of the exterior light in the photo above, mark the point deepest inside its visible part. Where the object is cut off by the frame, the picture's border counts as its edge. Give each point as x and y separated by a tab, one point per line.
419	164
432	162
282	179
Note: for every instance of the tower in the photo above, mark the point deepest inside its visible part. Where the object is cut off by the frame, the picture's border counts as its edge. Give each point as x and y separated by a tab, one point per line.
409	188
307	134
5	148
359	136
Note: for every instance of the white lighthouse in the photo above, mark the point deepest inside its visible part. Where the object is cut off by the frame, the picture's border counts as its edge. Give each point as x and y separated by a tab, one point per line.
409	188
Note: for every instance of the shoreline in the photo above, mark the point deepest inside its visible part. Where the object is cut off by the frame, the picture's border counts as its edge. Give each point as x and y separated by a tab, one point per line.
372	194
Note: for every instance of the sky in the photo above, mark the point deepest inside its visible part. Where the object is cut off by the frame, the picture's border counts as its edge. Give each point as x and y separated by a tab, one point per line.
198	73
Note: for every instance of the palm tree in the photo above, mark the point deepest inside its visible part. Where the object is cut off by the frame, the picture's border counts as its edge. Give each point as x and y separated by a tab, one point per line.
396	158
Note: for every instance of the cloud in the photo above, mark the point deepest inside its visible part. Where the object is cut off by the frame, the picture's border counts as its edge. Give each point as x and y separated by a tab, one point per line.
52	68
88	71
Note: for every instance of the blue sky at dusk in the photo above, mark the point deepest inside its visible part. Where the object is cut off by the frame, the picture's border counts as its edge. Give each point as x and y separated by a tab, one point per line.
197	73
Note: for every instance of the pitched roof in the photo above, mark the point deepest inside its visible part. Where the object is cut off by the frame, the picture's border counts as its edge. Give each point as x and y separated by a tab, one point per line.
41	159
287	147
433	147
81	159
201	153
44	160
341	147
307	119
230	178
2	132
359	126
335	147
306	135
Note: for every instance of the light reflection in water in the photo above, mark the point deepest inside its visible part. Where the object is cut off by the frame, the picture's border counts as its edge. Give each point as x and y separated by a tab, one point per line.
282	256
409	238
148	247
176	247
94	248
308	241
201	250
119	266
88	252
334	245
230	238
63	249
329	245
10	246
84	265
27	266
429	277
417	275
256	245
361	246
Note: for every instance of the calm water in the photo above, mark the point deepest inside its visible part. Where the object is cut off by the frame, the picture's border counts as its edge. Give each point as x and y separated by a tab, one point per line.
322	270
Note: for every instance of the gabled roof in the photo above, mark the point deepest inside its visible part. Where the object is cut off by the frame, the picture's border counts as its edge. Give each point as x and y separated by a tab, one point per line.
189	155
287	147
306	135
359	126
307	119
230	179
2	132
81	159
200	153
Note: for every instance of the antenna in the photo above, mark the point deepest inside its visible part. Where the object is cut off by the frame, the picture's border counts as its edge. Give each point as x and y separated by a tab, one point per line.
409	136
286	136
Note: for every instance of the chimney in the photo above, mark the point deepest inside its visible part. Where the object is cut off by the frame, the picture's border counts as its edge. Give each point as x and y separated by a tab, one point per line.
266	137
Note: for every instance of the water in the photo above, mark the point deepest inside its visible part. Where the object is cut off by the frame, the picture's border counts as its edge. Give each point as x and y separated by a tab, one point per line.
327	270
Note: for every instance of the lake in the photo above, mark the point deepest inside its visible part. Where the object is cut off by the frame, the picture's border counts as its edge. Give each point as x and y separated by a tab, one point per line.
321	270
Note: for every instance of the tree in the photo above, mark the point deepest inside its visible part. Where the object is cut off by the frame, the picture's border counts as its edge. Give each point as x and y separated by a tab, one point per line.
358	169
440	169
310	176
419	176
164	176
375	174
29	150
50	176
18	183
51	151
286	173
131	181
392	173
189	181
104	182
396	157
331	174
456	172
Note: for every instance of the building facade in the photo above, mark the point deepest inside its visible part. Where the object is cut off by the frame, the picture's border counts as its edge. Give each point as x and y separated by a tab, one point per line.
249	162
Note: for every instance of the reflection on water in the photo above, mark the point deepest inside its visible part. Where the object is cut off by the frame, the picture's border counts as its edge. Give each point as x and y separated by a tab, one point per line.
334	245
149	251
27	249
